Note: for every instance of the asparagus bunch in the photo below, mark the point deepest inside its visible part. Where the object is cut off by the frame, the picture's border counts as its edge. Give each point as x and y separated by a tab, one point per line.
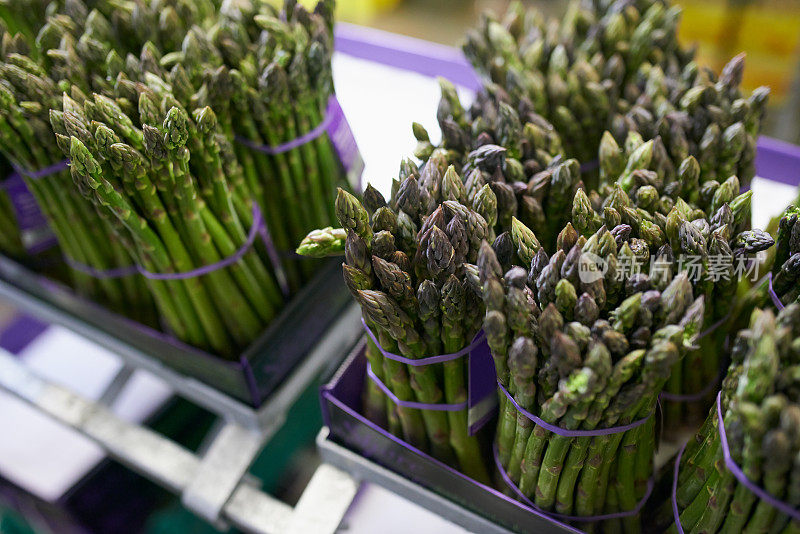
575	71
761	417
698	114
582	345
409	262
522	165
254	65
268	75
687	223
27	93
618	66
161	179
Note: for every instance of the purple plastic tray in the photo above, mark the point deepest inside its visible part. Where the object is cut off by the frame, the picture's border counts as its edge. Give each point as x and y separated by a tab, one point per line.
250	378
341	412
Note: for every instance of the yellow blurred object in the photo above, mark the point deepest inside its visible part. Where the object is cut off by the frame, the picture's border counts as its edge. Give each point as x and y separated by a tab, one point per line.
767	30
358	11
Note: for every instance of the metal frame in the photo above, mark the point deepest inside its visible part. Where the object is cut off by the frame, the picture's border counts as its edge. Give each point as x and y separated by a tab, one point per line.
365	470
213	484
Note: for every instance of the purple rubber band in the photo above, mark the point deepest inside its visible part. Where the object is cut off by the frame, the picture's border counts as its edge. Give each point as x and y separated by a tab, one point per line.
42	173
734	469
711	329
258	222
692	397
421	362
575	518
741	477
101	274
412	404
572	433
590	165
297	142
675	513
776	300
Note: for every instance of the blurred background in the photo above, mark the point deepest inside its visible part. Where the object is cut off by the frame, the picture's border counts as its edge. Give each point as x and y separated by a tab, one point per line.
767	30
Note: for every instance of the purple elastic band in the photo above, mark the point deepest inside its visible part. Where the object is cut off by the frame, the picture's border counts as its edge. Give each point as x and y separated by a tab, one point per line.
101	274
590	165
693	397
575	518
711	329
572	433
421	362
258	222
739	474
413	404
41	173
734	469
297	142
675	513
775	298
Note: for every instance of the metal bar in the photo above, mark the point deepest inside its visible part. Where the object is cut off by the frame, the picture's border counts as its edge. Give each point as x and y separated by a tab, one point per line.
363	469
227	459
117	385
344	330
324	502
142	450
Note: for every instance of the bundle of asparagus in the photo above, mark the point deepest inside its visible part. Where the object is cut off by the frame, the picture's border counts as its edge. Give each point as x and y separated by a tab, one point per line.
582	345
161	180
685	222
244	58
574	71
618	66
27	94
268	75
66	53
700	115
744	476
521	163
252	64
409	263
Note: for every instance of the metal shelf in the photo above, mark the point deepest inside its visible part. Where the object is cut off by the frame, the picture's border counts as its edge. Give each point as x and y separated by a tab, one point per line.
365	470
214	484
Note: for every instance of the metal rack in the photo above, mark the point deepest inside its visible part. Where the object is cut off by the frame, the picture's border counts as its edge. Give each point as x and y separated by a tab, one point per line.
214	484
365	470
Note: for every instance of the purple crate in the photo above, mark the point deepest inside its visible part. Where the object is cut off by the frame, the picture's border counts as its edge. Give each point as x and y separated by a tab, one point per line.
250	378
341	411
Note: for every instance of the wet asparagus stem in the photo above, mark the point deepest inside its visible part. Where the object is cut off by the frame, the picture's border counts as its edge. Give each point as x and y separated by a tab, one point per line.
597	360
761	416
